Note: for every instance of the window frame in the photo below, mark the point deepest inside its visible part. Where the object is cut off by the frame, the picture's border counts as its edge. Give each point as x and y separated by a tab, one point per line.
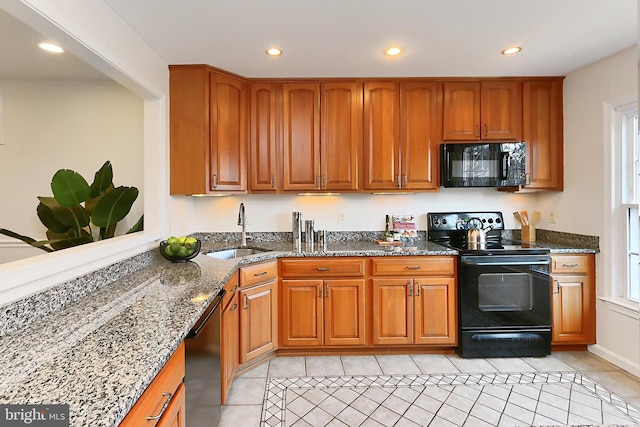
617	206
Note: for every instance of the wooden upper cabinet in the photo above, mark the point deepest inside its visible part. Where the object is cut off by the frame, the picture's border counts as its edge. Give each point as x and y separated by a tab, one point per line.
501	110
228	133
461	111
421	116
301	136
208	130
340	135
401	134
482	110
381	135
542	133
264	137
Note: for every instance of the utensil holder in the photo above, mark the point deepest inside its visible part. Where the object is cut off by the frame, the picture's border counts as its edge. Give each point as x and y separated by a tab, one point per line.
528	233
296	228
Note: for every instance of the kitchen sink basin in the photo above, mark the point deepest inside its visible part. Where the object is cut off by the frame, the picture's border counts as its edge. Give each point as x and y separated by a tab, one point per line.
235	253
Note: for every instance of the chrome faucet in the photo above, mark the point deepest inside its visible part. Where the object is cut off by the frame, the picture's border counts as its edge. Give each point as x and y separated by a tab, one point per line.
242	221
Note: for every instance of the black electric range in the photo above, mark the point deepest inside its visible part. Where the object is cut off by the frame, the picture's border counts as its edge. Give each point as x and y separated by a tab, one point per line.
504	287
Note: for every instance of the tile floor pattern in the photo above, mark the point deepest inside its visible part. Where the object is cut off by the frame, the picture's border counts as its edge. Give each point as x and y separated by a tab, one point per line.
568	388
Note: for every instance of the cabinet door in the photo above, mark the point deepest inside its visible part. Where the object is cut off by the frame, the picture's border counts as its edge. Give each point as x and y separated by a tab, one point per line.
435	319
421	118
301	136
542	133
344	312
258	321
392	311
264	138
573	310
228	133
301	316
175	414
341	135
230	344
501	110
461	111
188	135
381	135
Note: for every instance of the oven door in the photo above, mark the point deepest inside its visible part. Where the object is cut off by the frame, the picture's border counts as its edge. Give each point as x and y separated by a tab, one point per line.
504	291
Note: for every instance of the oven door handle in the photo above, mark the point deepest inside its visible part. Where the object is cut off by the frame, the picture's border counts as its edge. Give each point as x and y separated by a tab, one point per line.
491	261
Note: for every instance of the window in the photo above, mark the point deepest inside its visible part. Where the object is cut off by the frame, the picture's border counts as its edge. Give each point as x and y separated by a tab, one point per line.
630	197
625	218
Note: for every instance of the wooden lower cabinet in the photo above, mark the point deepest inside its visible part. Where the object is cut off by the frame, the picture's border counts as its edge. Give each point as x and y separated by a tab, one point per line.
414	311
573	299
319	312
258	311
230	336
163	402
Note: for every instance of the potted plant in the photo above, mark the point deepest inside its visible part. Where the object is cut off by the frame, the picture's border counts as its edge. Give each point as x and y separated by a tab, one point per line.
80	213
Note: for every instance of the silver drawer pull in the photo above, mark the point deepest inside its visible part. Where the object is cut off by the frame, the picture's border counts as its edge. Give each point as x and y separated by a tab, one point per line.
570	265
323	269
164	407
413	267
234	308
259	274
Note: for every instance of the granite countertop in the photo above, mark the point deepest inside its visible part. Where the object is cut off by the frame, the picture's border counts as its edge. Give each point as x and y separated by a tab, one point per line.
98	354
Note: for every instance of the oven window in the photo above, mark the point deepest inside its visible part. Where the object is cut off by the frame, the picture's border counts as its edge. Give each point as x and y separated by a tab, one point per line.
505	292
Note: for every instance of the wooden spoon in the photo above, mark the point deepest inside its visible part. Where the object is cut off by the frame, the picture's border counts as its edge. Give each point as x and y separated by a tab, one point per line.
525	217
517	217
535	217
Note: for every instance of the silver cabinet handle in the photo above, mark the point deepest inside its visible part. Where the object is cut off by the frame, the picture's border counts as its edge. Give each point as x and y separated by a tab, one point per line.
215	180
570	265
320	291
234	308
262	273
326	287
398	180
323	269
246	302
417	289
324	181
318	181
413	267
164	407
478	131
557	287
410	288
273	182
486	130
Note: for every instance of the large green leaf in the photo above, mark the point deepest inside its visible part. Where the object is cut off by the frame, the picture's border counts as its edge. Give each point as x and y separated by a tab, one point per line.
69	188
114	206
138	226
90	203
25	239
75	217
102	180
66	240
47	217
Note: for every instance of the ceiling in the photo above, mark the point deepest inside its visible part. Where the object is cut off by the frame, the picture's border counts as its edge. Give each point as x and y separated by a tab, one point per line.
27	62
346	38
334	38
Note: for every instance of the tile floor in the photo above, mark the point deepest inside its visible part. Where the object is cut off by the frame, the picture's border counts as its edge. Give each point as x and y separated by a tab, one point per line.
566	388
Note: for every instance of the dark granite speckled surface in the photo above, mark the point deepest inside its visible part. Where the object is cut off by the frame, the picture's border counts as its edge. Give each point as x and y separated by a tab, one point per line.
97	345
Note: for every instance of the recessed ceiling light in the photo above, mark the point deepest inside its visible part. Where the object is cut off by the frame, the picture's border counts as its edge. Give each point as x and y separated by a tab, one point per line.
274	51
393	51
511	50
50	47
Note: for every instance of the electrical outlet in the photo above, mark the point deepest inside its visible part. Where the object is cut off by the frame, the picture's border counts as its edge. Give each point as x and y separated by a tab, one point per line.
342	218
552	218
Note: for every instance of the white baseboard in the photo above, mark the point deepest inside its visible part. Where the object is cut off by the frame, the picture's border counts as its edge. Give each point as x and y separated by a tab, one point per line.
632	367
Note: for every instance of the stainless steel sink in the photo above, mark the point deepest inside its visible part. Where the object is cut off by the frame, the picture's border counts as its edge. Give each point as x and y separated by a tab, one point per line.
235	253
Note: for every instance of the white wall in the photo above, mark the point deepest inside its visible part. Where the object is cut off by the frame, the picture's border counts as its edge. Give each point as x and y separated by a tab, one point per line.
363	212
581	206
51	125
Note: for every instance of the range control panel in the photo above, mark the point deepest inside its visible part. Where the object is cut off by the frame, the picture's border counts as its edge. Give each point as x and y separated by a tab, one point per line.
445	221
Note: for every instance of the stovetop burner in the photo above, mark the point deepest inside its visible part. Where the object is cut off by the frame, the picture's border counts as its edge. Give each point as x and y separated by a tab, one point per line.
450	229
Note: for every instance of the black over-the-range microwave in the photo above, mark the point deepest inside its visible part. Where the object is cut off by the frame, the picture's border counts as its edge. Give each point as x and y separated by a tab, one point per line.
482	164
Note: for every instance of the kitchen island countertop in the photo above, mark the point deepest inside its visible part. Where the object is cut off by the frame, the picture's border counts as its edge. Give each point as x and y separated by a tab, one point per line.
98	354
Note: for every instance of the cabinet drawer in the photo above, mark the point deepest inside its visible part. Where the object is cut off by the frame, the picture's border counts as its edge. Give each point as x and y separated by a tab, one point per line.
164	387
322	267
230	287
570	264
259	273
413	266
